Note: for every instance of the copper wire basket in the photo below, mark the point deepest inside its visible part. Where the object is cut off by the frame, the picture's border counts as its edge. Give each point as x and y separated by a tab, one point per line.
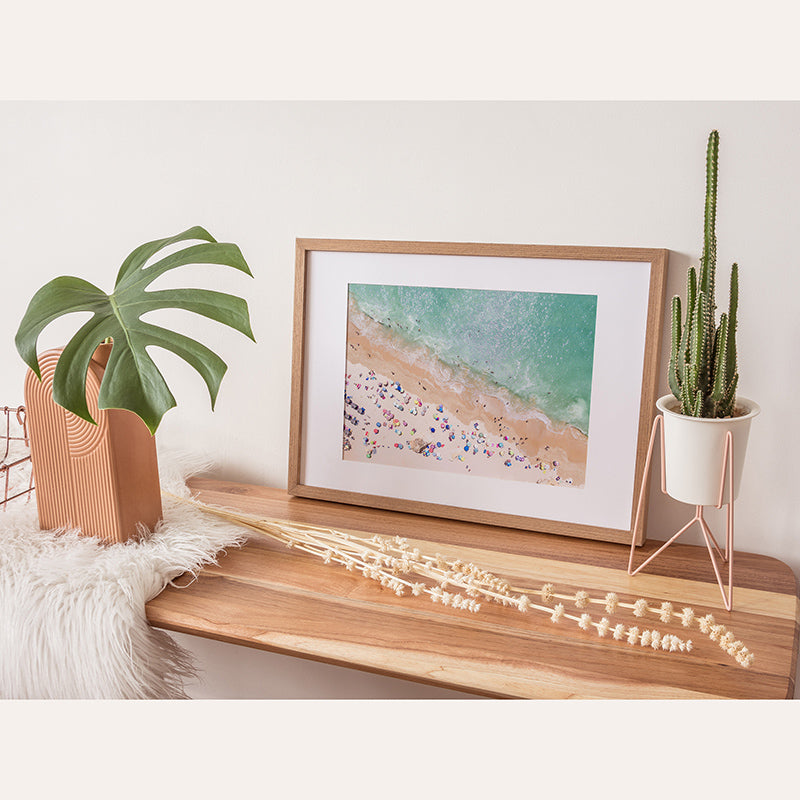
16	475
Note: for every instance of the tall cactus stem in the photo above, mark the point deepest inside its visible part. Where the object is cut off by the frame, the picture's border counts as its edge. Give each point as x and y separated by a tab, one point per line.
703	372
733	308
675	345
709	257
720	361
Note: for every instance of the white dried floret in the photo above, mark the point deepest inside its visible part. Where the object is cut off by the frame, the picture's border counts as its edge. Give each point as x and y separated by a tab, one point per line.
715	632
581	599
705	623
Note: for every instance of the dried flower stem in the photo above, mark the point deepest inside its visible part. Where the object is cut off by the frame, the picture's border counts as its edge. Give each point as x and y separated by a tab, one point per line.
394	564
706	625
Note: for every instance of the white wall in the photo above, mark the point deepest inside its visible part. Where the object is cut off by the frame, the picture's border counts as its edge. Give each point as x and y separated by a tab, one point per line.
82	184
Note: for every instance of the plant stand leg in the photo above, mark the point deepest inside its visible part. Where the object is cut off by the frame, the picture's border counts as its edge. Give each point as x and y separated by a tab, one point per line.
711	543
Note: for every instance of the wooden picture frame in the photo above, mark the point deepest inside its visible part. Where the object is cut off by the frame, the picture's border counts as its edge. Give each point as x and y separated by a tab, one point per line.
568	460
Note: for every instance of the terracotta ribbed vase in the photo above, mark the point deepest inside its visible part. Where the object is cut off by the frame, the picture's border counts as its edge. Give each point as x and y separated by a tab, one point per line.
100	478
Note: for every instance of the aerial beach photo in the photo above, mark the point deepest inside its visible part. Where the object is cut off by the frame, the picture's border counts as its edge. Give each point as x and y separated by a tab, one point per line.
480	382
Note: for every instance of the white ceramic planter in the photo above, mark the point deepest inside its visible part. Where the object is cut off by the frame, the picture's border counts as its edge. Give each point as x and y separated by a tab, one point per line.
694	448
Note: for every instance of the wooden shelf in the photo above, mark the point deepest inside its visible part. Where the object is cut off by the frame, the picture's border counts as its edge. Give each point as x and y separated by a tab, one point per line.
269	597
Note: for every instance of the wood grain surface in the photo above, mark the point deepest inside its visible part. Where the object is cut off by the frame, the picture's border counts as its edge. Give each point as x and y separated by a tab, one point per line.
269	597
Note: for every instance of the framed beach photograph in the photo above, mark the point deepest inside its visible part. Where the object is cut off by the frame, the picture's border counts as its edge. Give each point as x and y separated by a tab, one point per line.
509	385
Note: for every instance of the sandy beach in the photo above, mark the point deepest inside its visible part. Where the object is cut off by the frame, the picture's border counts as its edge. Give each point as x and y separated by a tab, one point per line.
403	407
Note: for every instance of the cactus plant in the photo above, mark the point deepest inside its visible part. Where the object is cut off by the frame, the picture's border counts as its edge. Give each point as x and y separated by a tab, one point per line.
703	373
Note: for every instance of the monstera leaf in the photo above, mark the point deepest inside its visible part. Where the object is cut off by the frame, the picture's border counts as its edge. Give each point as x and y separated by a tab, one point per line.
131	380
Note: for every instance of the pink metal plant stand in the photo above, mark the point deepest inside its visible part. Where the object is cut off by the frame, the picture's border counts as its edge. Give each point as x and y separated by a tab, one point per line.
711	543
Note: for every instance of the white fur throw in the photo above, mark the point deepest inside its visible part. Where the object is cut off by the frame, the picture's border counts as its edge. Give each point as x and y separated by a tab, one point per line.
72	617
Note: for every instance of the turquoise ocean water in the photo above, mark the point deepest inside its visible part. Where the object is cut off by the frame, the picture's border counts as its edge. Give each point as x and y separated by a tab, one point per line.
538	346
